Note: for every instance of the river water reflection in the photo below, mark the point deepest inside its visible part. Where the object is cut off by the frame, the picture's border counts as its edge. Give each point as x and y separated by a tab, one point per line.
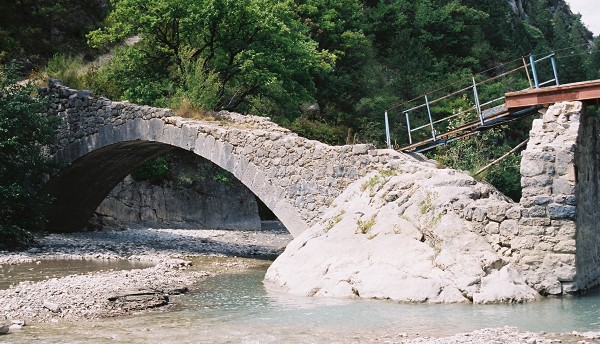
236	308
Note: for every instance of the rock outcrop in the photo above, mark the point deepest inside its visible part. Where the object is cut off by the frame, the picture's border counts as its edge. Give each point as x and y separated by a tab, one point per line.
415	232
195	194
401	234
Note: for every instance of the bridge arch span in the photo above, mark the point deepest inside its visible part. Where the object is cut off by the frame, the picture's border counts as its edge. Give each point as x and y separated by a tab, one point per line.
99	142
99	162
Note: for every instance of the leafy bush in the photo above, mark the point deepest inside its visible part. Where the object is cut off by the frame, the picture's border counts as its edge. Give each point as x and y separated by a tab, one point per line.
320	131
66	68
23	131
201	88
155	170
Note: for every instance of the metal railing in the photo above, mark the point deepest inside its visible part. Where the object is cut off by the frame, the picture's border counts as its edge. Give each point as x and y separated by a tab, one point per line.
482	110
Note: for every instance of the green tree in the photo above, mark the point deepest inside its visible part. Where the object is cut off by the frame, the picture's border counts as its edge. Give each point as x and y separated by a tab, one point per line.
258	48
339	27
24	130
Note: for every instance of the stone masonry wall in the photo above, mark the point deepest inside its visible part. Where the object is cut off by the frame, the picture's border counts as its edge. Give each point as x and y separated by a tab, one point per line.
195	194
548	225
551	235
587	163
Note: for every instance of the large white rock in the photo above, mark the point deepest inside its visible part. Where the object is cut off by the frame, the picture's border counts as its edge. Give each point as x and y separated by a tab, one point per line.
394	235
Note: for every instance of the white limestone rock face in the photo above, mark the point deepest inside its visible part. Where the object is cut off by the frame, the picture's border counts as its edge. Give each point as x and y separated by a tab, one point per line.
400	234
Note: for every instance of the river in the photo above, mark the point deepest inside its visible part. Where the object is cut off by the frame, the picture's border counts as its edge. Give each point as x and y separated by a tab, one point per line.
236	308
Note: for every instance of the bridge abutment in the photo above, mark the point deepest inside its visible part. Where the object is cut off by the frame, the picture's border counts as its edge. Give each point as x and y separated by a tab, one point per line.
549	224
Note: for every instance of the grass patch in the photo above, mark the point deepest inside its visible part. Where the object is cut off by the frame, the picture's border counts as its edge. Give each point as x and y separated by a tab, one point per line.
184	108
386	173
334	220
370	184
426	205
364	226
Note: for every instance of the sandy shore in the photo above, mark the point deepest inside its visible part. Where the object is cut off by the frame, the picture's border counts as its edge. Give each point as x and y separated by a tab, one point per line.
114	293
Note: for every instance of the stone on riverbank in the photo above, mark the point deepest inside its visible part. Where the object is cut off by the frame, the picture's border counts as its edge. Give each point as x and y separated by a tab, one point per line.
4	328
138	299
87	296
52	307
406	234
15	327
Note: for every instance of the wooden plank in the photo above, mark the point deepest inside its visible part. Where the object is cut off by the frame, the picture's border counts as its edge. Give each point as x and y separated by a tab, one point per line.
587	90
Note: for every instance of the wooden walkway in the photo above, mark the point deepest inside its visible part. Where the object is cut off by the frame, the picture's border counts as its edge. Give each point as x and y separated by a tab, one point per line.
585	91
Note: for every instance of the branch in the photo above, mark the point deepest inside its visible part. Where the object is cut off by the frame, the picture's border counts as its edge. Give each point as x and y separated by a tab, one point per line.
502	157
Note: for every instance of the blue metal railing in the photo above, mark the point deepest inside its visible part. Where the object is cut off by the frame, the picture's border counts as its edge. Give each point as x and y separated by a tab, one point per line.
483	110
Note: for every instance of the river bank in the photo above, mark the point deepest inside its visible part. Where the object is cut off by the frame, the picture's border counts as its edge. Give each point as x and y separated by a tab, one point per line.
113	293
87	297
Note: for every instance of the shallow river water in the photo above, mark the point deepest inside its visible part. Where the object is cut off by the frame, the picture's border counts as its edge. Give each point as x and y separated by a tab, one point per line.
40	270
236	308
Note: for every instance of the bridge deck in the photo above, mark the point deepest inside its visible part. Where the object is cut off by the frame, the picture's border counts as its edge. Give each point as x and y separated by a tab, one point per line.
583	91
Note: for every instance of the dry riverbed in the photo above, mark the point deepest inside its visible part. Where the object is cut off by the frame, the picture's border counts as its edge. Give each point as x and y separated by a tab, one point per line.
113	293
170	253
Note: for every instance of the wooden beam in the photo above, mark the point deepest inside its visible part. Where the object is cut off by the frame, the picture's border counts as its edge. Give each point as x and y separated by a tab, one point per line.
587	90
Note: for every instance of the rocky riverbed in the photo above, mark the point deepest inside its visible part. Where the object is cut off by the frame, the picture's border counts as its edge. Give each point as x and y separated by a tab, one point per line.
113	293
87	296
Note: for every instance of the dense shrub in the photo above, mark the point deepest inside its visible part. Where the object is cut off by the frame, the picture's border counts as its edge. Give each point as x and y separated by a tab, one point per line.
23	132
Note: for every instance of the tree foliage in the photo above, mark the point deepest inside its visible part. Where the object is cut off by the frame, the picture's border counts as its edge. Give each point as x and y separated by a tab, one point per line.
31	31
249	52
23	132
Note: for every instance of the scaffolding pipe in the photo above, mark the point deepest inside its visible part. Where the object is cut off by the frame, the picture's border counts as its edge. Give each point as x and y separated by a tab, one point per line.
408	126
533	71
388	139
477	105
527	72
554	69
430	119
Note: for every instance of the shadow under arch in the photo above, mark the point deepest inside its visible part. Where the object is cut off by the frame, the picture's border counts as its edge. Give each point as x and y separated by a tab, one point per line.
79	188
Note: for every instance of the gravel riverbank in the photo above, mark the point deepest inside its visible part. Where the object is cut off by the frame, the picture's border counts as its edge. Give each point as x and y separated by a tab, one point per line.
113	293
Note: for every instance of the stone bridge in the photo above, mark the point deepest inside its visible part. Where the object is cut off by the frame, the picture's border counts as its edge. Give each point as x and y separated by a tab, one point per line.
552	235
99	142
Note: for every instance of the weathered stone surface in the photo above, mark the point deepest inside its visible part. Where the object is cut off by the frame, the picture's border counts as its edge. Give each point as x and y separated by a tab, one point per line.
415	248
52	307
561	212
504	285
195	194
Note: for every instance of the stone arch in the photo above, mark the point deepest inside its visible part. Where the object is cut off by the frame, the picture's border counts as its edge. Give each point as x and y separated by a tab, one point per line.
97	162
298	179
